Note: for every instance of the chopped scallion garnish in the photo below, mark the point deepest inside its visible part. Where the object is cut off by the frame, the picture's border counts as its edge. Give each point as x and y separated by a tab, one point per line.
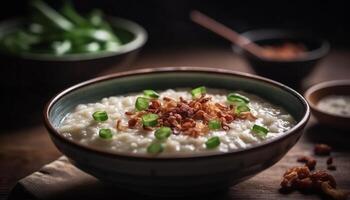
105	133
163	133
151	94
197	92
235	97
150	119
155	148
242	108
100	116
260	130
141	103
214	124
212	142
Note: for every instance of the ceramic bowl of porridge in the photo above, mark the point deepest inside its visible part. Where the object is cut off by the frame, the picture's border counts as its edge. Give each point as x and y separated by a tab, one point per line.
330	103
148	130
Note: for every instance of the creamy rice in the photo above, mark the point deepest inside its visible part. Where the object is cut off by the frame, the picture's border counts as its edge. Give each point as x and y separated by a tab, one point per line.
335	104
80	126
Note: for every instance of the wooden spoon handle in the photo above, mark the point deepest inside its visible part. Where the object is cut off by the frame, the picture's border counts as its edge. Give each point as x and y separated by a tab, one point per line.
225	32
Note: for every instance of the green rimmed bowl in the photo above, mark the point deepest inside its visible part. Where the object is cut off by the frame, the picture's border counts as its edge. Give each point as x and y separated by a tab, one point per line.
176	176
36	77
52	72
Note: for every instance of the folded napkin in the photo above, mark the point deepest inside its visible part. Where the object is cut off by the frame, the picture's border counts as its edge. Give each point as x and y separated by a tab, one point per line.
61	180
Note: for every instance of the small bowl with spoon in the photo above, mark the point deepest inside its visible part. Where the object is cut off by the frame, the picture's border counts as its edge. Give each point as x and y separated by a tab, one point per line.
282	55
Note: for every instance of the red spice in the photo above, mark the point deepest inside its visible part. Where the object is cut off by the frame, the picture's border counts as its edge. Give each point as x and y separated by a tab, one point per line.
132	122
329	161
309	161
292	175
180	115
129	113
311	164
155	104
187	125
322	149
333	192
167	99
284	51
300	178
322	176
182	100
332	167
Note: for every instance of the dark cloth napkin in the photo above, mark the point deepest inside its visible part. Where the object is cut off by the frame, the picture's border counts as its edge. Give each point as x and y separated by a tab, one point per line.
62	180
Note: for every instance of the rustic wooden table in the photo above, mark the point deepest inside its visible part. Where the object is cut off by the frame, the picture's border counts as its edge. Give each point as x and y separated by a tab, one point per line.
25	150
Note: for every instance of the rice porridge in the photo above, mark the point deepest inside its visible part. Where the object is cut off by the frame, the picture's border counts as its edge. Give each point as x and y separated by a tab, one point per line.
176	122
336	105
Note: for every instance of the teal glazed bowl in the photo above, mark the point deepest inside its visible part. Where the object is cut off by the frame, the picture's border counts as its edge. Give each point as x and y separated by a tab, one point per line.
182	175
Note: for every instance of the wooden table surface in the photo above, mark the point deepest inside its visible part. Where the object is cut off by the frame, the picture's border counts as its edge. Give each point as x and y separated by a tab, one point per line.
25	150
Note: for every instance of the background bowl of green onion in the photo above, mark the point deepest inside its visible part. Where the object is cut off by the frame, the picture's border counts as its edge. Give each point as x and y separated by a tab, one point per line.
53	48
175	175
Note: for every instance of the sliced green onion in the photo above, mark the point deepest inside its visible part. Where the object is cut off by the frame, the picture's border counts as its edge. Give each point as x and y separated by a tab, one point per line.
61	47
235	97
51	15
111	46
89	47
141	103
100	116
150	119
235	101
151	94
197	92
163	133
105	133
69	11
212	142
242	108
155	148
96	17
214	124
260	130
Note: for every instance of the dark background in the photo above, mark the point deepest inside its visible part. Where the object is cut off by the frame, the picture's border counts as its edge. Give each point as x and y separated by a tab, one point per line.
169	28
168	24
175	41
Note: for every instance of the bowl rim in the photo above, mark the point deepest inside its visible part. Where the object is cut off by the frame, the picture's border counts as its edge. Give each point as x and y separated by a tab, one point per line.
127	156
140	38
325	85
309	55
